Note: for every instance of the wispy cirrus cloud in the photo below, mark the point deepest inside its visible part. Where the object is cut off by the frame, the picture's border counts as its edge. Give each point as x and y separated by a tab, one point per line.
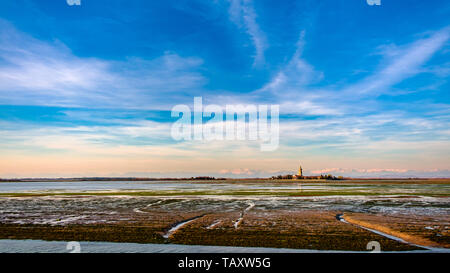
295	75
48	73
401	62
243	14
291	85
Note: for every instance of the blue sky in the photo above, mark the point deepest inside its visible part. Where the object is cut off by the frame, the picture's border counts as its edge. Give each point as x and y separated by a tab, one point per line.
87	90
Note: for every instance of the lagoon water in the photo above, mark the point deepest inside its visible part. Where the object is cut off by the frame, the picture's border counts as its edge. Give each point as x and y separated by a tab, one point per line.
129	185
264	193
80	186
91	186
39	246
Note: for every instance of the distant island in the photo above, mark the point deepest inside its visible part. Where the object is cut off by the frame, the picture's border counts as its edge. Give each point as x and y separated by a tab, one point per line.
76	179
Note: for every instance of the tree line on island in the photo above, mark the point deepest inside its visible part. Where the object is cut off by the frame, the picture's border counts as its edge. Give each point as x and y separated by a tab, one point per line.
322	176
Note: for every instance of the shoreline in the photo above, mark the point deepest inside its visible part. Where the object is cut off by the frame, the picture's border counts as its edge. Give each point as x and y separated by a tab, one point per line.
265	214
406	180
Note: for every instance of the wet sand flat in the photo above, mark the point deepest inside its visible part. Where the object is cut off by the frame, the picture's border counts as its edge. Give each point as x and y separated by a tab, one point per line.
279	229
300	230
417	229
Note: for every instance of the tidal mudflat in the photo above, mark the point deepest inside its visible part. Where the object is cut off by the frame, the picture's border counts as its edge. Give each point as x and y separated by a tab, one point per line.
402	215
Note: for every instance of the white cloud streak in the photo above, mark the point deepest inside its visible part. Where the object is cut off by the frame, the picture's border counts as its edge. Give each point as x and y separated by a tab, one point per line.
43	73
243	14
402	63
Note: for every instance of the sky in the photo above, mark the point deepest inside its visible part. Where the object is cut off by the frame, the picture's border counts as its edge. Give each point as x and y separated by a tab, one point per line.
87	90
